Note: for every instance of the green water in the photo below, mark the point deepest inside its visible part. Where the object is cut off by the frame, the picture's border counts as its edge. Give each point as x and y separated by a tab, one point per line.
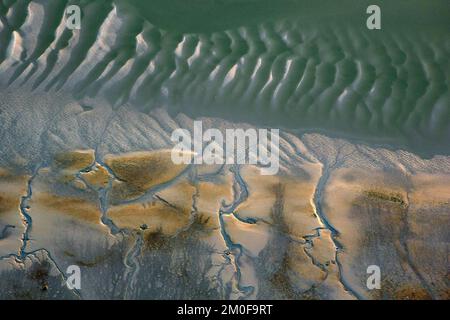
289	64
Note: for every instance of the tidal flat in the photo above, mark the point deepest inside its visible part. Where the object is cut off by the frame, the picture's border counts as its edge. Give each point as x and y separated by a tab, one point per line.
87	179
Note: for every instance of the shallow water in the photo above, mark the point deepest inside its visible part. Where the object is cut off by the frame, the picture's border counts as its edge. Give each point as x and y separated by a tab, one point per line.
86	119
